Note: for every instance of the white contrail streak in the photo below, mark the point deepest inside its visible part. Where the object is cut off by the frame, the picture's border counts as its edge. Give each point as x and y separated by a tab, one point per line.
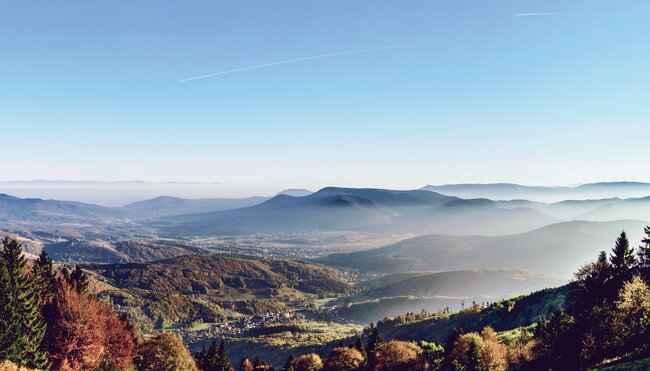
305	59
537	14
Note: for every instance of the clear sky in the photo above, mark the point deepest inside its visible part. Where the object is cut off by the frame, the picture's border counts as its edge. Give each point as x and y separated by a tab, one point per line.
534	92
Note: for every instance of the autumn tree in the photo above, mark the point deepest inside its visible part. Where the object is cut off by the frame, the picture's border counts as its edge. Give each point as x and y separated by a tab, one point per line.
309	362
398	355
165	351
632	315
344	358
84	332
245	364
484	348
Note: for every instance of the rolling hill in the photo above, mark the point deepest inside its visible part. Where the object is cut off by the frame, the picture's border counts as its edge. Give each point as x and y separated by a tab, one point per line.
164	205
212	287
401	293
472	282
99	251
14	209
556	249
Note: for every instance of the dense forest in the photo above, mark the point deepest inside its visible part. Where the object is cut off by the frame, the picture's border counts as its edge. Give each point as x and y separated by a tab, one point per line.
49	320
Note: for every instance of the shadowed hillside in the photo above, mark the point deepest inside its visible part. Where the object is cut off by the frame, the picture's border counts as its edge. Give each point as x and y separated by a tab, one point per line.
555	249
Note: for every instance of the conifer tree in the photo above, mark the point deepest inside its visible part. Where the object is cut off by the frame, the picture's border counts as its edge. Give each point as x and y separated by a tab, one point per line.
358	345
622	259
9	321
375	341
43	275
24	321
214	358
644	256
79	279
222	356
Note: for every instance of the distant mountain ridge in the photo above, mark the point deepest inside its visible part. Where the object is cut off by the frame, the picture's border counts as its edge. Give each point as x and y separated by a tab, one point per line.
166	205
366	209
509	191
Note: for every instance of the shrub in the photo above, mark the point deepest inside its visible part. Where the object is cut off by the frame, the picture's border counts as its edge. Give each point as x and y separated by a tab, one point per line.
165	351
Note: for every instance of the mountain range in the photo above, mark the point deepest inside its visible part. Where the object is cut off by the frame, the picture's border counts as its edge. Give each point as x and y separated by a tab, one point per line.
369	210
509	191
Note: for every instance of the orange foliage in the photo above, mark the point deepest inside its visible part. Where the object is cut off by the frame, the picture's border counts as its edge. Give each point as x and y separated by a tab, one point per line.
398	355
85	333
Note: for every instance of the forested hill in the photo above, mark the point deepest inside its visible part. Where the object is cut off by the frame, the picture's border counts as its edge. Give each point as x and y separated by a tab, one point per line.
209	288
190	274
501	316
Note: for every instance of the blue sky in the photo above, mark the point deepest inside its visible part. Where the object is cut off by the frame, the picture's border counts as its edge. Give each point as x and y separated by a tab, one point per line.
89	90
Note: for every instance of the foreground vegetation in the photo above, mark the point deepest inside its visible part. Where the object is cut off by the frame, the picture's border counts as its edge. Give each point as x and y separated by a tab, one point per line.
49	320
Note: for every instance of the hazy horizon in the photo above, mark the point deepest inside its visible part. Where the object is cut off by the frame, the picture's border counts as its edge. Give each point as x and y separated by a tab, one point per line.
118	193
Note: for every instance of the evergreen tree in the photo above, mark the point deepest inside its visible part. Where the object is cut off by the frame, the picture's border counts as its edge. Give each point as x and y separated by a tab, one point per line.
79	279
43	277
358	345
375	341
24	321
222	356
9	320
214	358
622	261
474	356
644	256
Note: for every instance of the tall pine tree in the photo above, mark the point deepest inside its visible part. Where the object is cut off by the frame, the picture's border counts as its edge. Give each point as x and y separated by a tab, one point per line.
644	256
215	358
375	341
622	262
24	318
43	276
358	345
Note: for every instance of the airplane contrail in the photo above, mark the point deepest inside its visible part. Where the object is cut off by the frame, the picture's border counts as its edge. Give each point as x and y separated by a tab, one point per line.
357	51
538	14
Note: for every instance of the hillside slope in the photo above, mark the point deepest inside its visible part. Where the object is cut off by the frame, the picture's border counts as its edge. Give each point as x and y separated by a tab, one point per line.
212	288
555	249
164	205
